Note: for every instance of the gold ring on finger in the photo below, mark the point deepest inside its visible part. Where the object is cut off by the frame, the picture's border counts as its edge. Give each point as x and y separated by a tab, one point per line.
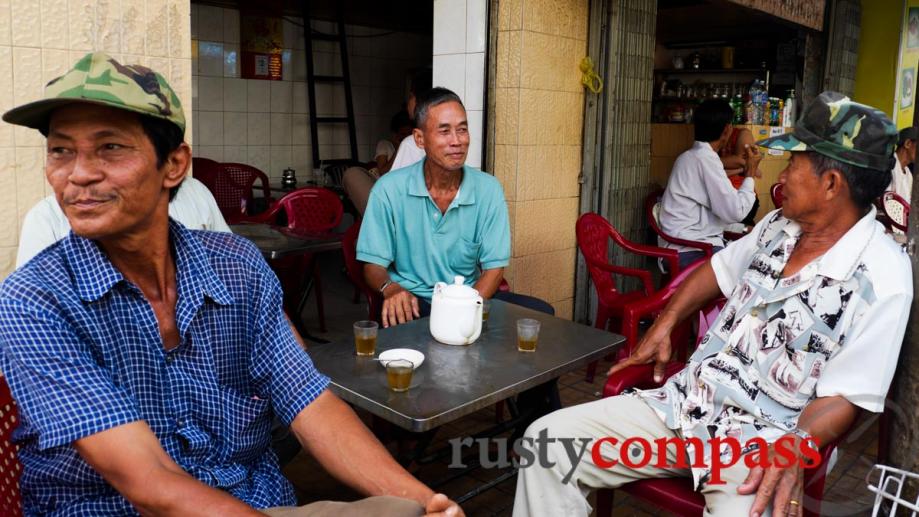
794	503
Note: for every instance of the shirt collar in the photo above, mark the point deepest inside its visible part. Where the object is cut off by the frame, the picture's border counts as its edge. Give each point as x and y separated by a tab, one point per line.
95	275
704	146
840	261
464	196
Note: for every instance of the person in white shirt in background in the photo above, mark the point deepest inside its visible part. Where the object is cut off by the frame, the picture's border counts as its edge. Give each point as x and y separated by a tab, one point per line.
193	205
357	182
901	183
700	201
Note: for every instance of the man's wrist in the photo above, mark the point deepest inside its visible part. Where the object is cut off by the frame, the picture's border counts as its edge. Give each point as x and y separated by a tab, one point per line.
383	286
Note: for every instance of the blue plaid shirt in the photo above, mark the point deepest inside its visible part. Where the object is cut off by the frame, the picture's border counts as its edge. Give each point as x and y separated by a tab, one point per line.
82	353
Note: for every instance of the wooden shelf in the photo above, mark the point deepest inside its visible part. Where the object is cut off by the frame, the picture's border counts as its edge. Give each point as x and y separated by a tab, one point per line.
675	71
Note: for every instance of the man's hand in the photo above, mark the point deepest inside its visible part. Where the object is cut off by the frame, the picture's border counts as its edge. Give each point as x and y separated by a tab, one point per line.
399	306
440	506
752	156
780	484
654	346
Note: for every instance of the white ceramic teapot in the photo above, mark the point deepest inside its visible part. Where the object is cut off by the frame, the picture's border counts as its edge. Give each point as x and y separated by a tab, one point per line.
456	313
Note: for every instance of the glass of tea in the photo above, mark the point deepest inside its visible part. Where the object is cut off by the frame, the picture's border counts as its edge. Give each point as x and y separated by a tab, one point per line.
399	374
486	309
527	334
365	337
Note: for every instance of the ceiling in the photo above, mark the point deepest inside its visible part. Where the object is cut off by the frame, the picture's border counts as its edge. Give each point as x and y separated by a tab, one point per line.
408	15
693	21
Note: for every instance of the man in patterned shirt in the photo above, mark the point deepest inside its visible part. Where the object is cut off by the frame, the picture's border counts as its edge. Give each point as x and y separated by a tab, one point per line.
817	302
147	360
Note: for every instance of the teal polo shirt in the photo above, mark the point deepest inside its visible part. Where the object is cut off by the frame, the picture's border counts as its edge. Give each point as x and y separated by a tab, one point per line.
404	231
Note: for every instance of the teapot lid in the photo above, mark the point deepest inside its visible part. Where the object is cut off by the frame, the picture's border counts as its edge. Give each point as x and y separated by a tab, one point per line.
459	290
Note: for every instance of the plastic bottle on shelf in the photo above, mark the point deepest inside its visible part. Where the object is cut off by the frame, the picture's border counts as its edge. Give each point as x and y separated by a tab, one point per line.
752	103
788	114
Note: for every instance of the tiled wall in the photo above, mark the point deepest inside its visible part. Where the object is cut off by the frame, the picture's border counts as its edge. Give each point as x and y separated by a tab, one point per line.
460	37
539	114
266	123
40	40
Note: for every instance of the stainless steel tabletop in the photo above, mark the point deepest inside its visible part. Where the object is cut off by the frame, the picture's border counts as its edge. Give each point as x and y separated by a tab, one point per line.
455	381
278	241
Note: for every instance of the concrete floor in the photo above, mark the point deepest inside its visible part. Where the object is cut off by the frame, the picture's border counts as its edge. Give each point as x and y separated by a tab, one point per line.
846	492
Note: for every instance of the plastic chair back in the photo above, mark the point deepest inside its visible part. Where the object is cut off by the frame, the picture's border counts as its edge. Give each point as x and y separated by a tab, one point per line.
653	213
206	170
355	271
312	209
10	468
233	189
896	209
775	192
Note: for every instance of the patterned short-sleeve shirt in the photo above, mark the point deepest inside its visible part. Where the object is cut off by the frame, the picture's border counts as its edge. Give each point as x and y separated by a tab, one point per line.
833	328
82	353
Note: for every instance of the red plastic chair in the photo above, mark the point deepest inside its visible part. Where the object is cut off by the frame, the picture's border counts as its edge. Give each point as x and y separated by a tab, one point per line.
355	271
593	235
10	468
652	213
206	170
775	192
233	190
312	210
676	495
896	209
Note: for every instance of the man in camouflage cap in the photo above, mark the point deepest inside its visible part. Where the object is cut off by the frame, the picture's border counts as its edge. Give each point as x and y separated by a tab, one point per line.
817	302
147	359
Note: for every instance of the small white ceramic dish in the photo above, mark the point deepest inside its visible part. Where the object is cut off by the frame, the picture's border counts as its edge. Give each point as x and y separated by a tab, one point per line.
414	356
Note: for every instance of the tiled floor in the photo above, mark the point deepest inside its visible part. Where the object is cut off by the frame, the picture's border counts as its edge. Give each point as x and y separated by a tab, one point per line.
846	492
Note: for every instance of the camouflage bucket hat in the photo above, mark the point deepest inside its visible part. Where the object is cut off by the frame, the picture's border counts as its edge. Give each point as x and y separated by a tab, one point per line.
847	131
98	79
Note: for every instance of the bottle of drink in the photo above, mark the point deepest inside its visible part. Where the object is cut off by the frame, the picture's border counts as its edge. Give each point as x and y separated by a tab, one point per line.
767	111
738	109
752	108
788	114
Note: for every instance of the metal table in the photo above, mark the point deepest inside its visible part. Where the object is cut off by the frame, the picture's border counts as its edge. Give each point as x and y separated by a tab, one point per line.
278	241
455	381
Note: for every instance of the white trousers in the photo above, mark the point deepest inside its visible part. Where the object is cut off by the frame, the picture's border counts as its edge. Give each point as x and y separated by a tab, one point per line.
542	492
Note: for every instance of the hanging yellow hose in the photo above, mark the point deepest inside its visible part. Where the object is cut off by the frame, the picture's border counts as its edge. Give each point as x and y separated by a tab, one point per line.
589	77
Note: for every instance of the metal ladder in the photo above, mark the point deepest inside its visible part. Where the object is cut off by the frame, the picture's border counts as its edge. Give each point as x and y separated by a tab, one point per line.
344	80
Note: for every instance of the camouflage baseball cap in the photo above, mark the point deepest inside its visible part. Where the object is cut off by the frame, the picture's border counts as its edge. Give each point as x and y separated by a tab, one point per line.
847	131
98	79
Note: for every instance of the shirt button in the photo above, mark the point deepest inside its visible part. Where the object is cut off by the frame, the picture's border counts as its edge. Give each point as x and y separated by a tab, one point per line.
754	313
170	358
180	422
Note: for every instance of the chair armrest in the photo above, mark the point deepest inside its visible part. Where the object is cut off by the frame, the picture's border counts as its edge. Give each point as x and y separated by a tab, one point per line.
672	257
640	376
643	275
268	216
701	246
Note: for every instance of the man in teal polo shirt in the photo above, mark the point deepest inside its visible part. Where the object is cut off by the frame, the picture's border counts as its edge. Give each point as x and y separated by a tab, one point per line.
436	219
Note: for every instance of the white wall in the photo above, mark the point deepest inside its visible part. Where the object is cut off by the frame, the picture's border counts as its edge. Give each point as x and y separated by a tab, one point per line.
460	41
266	123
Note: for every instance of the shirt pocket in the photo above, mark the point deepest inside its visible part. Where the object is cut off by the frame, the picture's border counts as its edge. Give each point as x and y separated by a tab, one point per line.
246	421
464	258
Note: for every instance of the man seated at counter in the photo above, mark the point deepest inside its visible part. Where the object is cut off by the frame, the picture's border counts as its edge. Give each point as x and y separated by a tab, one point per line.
147	359
699	201
191	204
733	158
436	219
818	300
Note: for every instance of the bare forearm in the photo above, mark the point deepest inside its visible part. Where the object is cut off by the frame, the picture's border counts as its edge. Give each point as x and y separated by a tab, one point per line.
700	288
375	276
826	418
488	283
348	451
131	459
174	493
733	161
